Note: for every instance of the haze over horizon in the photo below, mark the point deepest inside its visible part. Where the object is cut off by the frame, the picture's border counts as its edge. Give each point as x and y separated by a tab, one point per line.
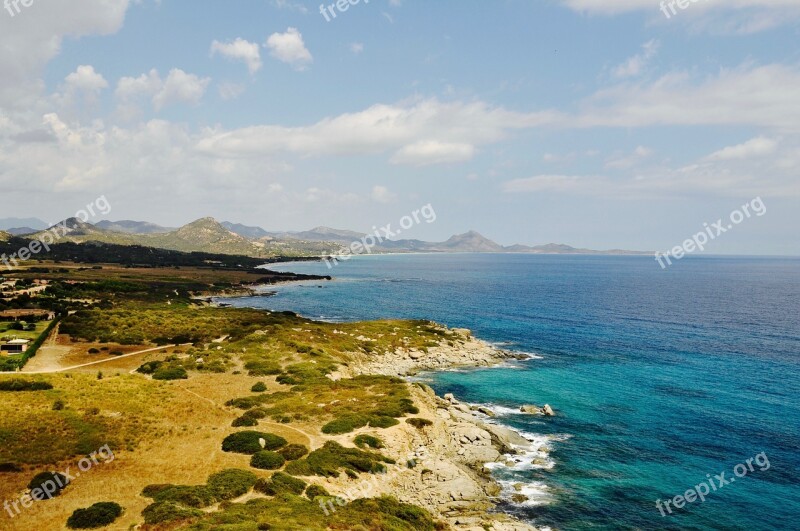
596	124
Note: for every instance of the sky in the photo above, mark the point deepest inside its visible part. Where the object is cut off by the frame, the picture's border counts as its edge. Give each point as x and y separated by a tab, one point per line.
595	123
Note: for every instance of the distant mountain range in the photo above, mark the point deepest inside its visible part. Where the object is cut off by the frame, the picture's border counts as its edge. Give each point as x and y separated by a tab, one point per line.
210	236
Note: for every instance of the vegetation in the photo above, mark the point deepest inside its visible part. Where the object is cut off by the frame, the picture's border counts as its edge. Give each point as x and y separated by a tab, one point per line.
100	514
362	441
249	442
266	460
47	485
419	423
280	483
259	387
293	452
18	384
333	457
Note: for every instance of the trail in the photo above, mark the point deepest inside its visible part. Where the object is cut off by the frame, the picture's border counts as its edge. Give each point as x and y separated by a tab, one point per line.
62	369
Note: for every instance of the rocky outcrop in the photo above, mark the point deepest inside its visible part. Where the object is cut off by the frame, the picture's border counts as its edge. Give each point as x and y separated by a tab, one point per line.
545	410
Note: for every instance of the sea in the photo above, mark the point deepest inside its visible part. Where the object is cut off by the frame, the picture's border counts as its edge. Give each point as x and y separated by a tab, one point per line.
665	382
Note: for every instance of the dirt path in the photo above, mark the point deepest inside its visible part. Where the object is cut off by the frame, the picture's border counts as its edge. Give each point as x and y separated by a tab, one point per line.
54	369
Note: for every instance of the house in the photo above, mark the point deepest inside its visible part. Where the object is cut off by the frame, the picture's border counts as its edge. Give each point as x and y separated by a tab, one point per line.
15	346
27	315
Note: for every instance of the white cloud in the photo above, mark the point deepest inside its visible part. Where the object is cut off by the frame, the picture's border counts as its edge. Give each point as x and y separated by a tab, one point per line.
178	87
763	96
756	147
29	42
629	160
429	152
239	50
356	47
289	48
381	194
230	91
86	79
636	64
453	131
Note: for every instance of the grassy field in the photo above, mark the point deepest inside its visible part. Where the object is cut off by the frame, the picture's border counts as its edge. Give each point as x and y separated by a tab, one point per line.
170	431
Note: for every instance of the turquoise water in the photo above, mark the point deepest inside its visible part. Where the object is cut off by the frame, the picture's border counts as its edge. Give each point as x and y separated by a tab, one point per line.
659	377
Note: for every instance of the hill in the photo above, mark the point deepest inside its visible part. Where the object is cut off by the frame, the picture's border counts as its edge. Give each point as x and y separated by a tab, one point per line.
132	227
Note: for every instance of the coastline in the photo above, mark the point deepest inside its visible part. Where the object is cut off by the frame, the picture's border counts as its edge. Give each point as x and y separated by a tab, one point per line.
459	450
454	456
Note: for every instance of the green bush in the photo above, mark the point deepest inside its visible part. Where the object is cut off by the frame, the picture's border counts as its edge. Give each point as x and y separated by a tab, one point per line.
266	460
18	384
94	351
293	452
363	441
197	496
58	405
47	485
345	424
248	442
419	423
170	373
167	511
259	387
315	490
149	367
280	483
231	483
263	368
244	422
333	457
98	515
383	422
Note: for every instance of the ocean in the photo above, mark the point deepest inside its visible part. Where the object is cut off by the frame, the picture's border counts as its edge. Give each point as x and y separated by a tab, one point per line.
661	379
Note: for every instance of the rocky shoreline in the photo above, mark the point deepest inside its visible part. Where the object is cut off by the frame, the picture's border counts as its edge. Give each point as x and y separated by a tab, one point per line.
443	466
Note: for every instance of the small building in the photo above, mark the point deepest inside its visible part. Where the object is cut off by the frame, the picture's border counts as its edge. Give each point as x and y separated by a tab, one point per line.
27	315
15	346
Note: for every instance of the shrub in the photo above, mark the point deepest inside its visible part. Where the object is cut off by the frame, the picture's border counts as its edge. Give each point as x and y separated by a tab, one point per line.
280	483
345	424
419	423
262	368
248	442
328	460
47	485
197	496
259	387
244	422
58	405
168	511
383	422
98	515
293	452
10	467
363	441
93	351
231	483
170	373
18	384
116	353
315	490
266	460
149	367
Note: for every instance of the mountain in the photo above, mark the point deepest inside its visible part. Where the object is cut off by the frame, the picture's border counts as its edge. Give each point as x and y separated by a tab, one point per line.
132	227
254	233
471	242
329	234
21	231
10	223
203	235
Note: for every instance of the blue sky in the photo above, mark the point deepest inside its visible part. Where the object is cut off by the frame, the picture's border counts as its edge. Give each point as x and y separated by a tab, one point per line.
599	124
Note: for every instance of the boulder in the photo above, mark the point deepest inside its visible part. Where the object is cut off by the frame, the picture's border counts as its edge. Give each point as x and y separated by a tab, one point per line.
548	411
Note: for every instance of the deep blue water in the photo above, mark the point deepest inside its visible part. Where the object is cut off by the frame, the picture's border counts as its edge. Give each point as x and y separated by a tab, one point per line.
659	377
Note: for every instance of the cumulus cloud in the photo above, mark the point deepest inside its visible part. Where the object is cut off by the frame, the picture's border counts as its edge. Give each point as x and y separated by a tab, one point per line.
756	147
86	79
453	130
29	42
289	48
178	87
381	194
239	50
